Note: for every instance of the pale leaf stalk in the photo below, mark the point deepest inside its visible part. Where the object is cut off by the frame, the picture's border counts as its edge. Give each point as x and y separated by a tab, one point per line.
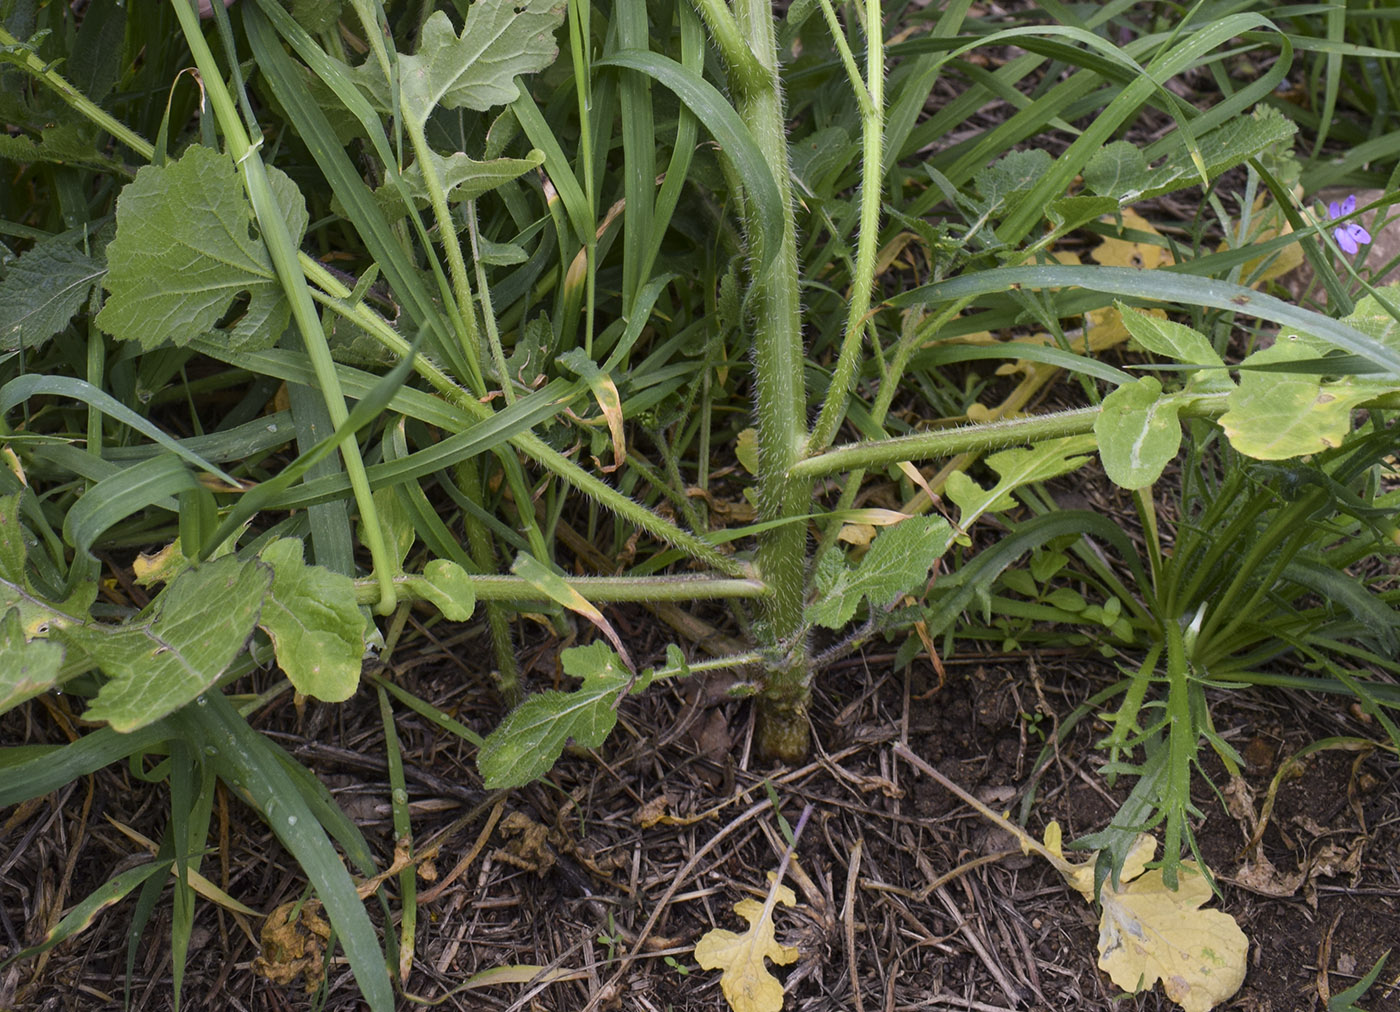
283	253
870	94
579	34
78	101
447	232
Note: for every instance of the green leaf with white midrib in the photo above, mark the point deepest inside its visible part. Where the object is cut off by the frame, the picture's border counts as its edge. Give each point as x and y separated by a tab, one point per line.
197	628
1139	433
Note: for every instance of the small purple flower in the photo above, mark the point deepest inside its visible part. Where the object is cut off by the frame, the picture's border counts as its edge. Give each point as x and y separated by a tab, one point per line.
1350	236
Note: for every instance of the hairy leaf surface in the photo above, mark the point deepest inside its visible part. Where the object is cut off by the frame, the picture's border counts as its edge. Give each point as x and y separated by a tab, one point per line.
195	630
500	40
185	250
531	738
898	561
41	292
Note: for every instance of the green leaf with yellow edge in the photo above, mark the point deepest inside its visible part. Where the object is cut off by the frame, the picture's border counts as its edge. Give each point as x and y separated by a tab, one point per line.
1150	933
553	586
314	623
1277	415
746	449
27	667
185	250
195	629
605	393
529	741
1139	433
747	983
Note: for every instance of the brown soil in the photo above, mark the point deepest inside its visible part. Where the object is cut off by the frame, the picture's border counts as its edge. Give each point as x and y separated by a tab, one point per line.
569	878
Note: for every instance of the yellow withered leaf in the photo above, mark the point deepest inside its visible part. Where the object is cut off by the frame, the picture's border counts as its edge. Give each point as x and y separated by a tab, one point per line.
1149	933
747	984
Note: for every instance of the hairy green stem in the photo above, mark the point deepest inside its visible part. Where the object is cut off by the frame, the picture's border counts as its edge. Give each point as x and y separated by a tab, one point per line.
780	395
972	439
870	96
594	588
447	233
468	476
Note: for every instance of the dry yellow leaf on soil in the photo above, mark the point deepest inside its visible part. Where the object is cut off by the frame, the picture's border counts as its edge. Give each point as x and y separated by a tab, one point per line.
1149	933
747	984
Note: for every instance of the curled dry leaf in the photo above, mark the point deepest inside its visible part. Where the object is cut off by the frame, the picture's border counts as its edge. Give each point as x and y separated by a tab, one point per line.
1149	932
747	983
293	941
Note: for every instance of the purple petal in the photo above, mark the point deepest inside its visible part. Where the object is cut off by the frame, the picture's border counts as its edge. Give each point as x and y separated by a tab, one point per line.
1334	210
1344	239
1358	233
1349	204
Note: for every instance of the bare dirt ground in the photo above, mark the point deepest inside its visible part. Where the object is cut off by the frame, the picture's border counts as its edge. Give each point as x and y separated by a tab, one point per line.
609	871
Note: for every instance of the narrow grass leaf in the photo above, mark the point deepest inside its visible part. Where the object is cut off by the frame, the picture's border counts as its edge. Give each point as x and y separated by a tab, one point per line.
21	388
1160	286
35	773
253	766
147	483
720	118
81	917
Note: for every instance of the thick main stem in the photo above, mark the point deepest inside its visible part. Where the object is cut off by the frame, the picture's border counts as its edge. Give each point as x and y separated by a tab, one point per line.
781	401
